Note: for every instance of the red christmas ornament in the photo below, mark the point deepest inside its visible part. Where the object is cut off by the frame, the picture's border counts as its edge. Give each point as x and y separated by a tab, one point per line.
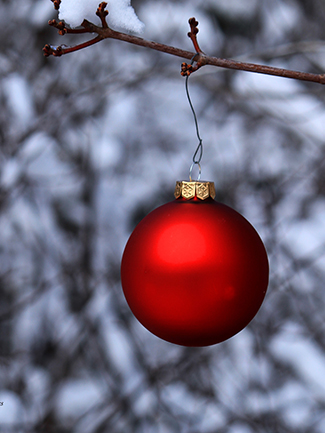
194	271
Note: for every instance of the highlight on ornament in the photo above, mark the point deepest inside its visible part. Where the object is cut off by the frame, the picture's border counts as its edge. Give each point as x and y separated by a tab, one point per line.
194	271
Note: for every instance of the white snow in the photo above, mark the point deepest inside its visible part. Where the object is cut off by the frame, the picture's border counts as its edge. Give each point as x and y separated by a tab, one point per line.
119	351
19	99
295	402
282	18
235	8
307	235
41	12
285	100
173	18
12	410
11	171
305	357
121	13
76	396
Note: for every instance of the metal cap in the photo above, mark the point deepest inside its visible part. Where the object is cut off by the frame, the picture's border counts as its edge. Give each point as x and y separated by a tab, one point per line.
199	189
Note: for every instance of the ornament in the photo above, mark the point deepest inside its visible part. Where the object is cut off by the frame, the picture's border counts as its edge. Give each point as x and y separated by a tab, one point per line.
194	271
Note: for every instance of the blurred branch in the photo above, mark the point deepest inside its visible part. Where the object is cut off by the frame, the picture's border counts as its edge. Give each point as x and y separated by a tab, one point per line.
15	308
105	32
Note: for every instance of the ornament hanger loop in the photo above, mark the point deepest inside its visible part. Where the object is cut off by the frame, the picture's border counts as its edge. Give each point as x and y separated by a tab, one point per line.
191	169
199	150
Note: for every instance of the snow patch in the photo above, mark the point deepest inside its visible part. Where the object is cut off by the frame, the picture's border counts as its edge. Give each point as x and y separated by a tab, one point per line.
76	397
11	173
305	357
235	8
19	99
121	13
12	411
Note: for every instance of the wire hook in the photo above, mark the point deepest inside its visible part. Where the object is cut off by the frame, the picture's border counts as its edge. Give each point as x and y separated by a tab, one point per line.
191	169
199	150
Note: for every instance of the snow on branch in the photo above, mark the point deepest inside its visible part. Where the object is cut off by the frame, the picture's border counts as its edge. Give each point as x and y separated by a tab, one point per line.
122	15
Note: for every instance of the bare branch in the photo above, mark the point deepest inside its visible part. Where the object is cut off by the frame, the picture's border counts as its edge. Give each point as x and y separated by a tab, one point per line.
202	59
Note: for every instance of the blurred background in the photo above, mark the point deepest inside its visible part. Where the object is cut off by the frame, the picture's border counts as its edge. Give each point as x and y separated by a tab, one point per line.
93	141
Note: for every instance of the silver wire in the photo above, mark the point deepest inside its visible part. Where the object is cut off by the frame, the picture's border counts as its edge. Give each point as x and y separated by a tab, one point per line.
197	156
191	169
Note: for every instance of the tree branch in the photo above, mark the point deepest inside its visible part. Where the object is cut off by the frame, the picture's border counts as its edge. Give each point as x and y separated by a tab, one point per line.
201	59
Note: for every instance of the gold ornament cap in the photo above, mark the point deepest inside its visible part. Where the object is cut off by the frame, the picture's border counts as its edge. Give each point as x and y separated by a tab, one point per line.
192	189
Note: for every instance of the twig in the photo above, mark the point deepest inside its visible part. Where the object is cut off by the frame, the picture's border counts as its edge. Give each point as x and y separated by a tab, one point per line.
60	25
192	34
49	50
56	4
201	59
102	14
200	56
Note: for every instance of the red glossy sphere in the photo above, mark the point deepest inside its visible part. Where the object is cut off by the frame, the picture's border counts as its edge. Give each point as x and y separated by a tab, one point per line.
194	272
